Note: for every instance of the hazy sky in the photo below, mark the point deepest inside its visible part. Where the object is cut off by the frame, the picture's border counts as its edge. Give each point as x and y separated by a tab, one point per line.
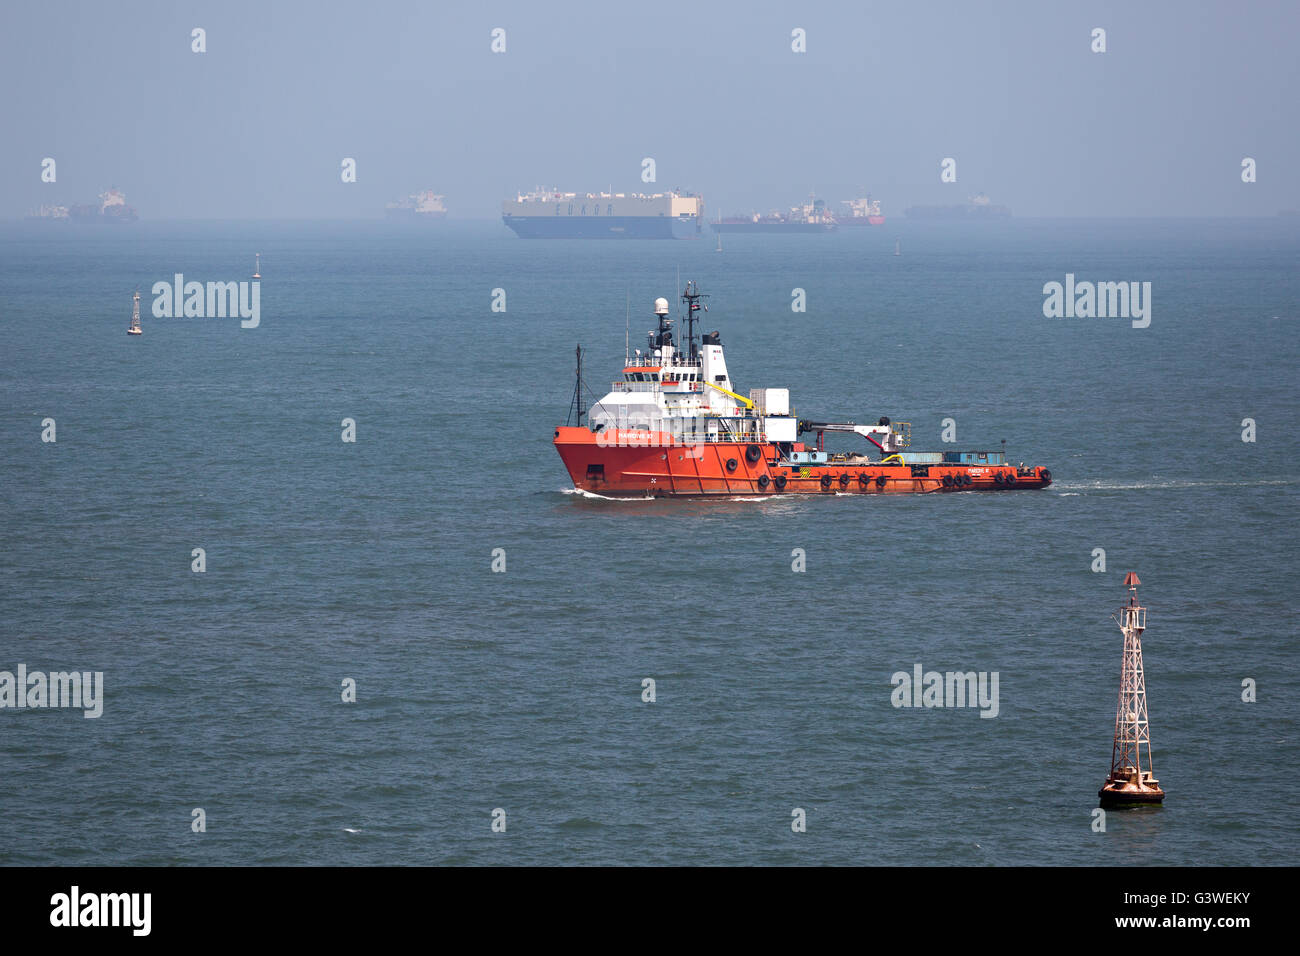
258	125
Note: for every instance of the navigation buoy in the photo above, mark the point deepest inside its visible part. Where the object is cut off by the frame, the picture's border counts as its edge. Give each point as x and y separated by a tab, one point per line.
1131	781
134	327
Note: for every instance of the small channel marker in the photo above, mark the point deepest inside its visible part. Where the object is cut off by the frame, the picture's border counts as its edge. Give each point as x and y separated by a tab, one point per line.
1130	782
257	268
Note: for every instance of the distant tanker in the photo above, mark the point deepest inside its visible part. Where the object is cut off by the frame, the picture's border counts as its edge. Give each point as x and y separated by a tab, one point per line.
861	212
978	208
112	208
425	206
813	216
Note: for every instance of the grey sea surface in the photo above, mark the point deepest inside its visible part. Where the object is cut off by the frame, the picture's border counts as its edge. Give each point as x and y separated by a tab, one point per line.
522	690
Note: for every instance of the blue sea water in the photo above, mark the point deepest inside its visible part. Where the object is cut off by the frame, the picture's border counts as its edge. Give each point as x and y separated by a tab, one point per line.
521	690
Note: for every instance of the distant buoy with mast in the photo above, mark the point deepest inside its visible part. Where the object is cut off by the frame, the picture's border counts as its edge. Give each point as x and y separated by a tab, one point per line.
257	268
134	327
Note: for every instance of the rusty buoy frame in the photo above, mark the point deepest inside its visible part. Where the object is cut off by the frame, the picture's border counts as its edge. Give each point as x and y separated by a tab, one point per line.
1131	781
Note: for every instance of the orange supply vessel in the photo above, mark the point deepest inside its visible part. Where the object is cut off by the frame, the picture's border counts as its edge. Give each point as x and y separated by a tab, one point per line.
674	426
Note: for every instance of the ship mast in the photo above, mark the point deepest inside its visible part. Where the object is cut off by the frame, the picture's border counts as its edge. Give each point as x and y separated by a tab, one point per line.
691	296
575	406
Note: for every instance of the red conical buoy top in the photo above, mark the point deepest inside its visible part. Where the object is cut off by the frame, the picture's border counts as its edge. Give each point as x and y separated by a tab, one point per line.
1131	580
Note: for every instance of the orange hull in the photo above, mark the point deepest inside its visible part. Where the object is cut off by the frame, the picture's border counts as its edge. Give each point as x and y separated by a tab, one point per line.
638	464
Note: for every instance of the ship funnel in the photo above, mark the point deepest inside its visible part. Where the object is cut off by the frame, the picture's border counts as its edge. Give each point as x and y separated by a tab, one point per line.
661	306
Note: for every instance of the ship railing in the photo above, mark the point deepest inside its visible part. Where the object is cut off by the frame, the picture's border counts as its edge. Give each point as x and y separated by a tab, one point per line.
686	441
689	440
642	361
655	386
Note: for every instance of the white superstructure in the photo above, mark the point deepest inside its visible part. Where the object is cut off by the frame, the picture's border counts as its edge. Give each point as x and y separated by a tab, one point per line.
685	391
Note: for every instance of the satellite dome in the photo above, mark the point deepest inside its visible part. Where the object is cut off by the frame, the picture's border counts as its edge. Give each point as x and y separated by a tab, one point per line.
661	306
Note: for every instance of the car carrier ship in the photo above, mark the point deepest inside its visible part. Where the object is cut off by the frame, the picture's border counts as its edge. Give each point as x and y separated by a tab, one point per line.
551	214
675	427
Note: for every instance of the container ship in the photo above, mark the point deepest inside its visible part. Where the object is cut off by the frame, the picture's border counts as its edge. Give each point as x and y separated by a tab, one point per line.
810	217
425	206
674	426
49	213
977	208
551	214
112	208
861	212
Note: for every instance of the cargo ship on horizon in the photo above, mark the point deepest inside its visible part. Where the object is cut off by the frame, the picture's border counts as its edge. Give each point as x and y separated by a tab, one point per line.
812	216
50	213
551	214
976	208
861	212
112	208
675	426
425	206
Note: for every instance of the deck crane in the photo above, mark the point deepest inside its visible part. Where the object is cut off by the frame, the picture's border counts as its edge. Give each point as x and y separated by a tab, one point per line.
890	442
